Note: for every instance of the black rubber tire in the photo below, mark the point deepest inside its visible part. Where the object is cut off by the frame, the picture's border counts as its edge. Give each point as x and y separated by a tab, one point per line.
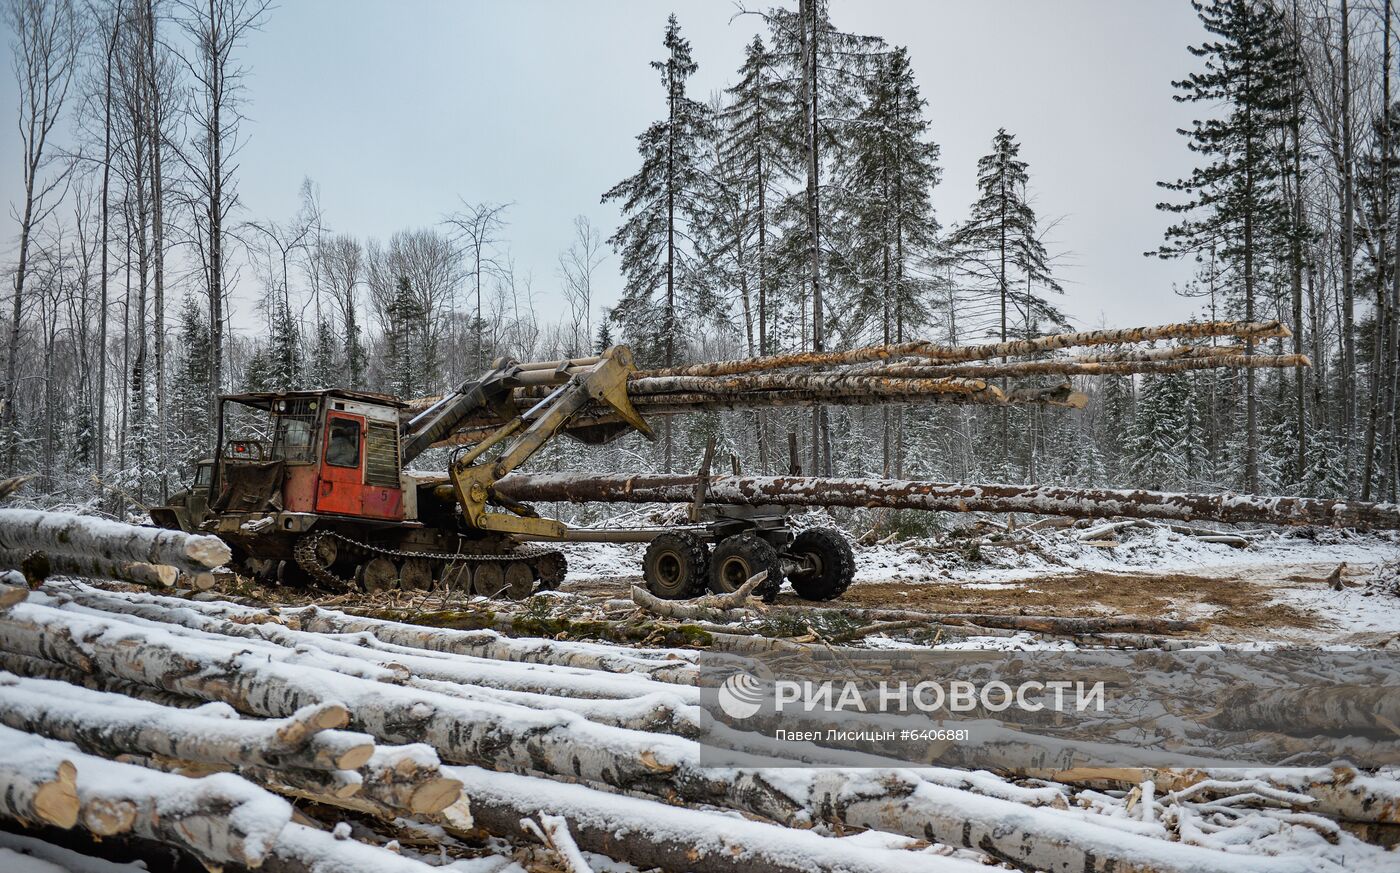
741	556
676	566
835	564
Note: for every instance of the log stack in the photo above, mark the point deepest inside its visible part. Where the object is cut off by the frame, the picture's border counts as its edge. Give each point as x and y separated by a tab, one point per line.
193	718
924	372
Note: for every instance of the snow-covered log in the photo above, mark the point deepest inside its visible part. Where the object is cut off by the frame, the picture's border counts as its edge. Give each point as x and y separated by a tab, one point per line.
41	790
111	725
648	834
949	497
38	566
40	668
58	533
523	740
666	665
12	590
220	819
934	351
711	607
1337	792
302	849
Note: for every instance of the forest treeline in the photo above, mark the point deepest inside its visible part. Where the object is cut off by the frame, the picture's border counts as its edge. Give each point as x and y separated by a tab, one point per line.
793	210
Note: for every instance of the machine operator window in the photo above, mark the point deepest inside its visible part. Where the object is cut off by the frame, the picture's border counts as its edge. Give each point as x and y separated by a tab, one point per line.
343	444
295	423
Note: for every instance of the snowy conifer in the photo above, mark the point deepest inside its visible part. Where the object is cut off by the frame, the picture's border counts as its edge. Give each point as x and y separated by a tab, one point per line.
1234	201
661	202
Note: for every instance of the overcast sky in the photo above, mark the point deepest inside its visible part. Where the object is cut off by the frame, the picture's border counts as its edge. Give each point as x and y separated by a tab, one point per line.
396	109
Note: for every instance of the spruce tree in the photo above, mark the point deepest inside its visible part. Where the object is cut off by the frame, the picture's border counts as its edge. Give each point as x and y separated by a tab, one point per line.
824	70
326	370
189	389
1234	201
276	364
1161	444
403	356
605	337
999	245
751	147
999	248
893	169
661	202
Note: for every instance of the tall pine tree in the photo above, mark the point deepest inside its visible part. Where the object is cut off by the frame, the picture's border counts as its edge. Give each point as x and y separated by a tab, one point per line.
999	248
891	178
661	202
751	145
1234	201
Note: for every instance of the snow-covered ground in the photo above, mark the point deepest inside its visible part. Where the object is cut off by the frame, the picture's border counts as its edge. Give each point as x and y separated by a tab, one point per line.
1273	589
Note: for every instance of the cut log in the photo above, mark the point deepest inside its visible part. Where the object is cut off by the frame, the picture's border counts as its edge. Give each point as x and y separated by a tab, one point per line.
666	665
947	497
302	849
1015	348
219	819
648	835
40	791
397	667
1337	792
38	566
58	533
12	593
474	428
1087	368
111	725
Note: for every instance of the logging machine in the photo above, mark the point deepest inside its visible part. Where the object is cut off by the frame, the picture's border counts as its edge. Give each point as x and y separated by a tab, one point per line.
313	486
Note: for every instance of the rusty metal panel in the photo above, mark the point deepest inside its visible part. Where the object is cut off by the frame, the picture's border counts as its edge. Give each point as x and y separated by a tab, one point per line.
386	503
299	493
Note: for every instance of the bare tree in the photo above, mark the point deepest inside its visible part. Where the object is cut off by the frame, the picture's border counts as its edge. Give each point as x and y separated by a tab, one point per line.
342	269
45	49
216	29
577	265
478	227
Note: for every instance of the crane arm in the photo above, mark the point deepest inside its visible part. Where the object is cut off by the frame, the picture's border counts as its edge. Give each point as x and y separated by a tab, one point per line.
602	380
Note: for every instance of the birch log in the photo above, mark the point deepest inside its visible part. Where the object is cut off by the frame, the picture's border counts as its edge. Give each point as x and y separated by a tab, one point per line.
38	566
647	834
949	497
40	790
111	725
57	533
